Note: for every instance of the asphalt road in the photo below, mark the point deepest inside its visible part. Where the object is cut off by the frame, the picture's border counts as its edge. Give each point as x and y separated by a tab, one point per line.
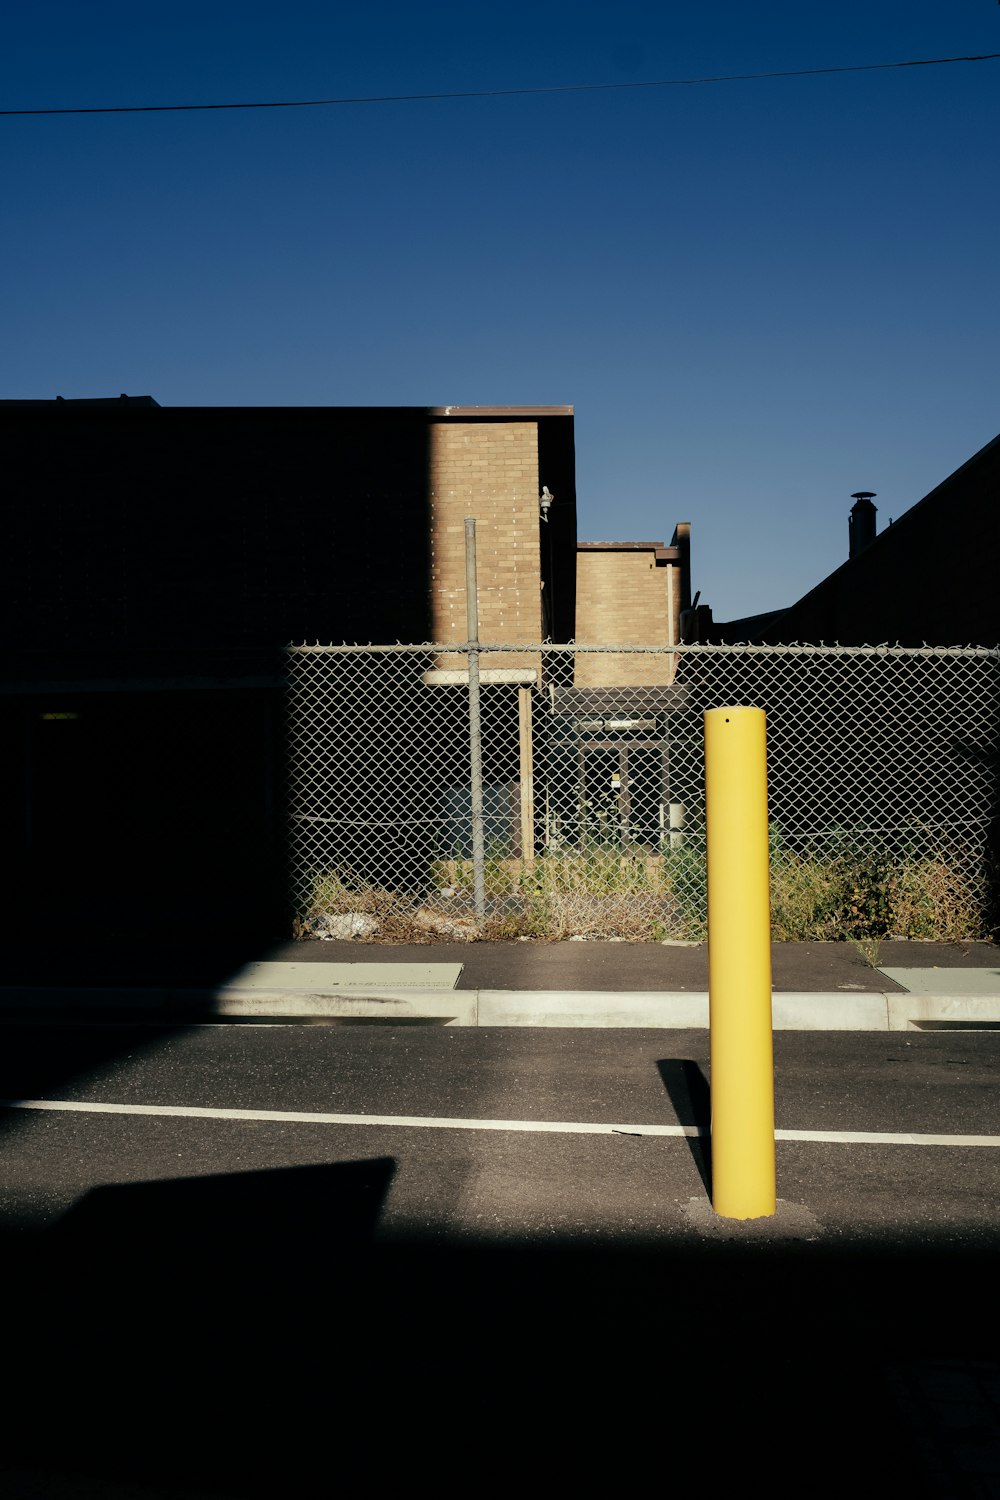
241	1306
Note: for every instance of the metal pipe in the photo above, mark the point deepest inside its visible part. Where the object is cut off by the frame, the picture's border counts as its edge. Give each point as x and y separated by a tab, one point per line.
475	727
739	964
527	777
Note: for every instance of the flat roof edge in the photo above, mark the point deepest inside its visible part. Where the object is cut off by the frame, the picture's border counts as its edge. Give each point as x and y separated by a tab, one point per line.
457	412
499	411
657	547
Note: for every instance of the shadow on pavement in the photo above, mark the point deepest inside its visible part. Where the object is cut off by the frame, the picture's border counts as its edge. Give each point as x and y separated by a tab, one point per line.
43	1055
109	965
176	1333
260	1334
689	1092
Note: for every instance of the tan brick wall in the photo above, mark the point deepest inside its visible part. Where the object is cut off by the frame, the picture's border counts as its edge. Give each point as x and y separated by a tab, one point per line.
622	598
488	470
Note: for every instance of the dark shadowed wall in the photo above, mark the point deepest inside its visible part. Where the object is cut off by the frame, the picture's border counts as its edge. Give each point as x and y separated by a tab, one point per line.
156	563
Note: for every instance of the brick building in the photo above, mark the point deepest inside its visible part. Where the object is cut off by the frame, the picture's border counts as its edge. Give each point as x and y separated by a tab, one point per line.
631	594
227	532
493	464
159	560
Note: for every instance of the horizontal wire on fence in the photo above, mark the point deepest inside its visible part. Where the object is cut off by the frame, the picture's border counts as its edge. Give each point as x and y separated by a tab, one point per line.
899	828
341	822
748	649
587	815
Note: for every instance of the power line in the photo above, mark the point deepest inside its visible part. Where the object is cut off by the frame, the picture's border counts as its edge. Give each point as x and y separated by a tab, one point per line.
556	88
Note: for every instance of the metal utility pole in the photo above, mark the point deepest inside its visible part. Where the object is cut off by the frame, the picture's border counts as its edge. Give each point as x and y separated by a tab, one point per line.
475	729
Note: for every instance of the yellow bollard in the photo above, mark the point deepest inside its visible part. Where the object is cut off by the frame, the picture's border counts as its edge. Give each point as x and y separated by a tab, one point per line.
739	964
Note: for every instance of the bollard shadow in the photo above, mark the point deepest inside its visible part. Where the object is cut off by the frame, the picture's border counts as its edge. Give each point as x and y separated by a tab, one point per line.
689	1093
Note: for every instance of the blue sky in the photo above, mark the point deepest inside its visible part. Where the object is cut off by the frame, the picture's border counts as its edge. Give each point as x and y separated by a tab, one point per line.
758	296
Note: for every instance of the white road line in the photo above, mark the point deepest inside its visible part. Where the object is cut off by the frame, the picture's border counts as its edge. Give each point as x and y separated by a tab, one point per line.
886	1138
432	1122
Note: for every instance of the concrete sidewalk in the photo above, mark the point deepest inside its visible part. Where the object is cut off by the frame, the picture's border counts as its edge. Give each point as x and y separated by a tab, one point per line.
816	986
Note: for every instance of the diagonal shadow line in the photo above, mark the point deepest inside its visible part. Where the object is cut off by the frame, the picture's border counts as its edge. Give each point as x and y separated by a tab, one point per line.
689	1093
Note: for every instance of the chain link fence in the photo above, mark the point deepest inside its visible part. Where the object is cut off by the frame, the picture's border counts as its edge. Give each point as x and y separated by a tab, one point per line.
558	791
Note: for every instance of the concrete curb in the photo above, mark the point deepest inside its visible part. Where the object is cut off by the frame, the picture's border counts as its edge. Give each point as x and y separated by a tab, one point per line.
832	1010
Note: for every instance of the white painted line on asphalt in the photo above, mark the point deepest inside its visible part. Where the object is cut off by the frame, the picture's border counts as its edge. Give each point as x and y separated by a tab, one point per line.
432	1122
886	1138
310	1117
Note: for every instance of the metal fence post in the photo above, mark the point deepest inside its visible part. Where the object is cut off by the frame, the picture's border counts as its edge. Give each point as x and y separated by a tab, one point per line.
475	726
527	775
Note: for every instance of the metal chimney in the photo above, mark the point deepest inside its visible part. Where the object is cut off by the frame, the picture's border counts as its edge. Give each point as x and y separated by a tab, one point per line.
861	526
